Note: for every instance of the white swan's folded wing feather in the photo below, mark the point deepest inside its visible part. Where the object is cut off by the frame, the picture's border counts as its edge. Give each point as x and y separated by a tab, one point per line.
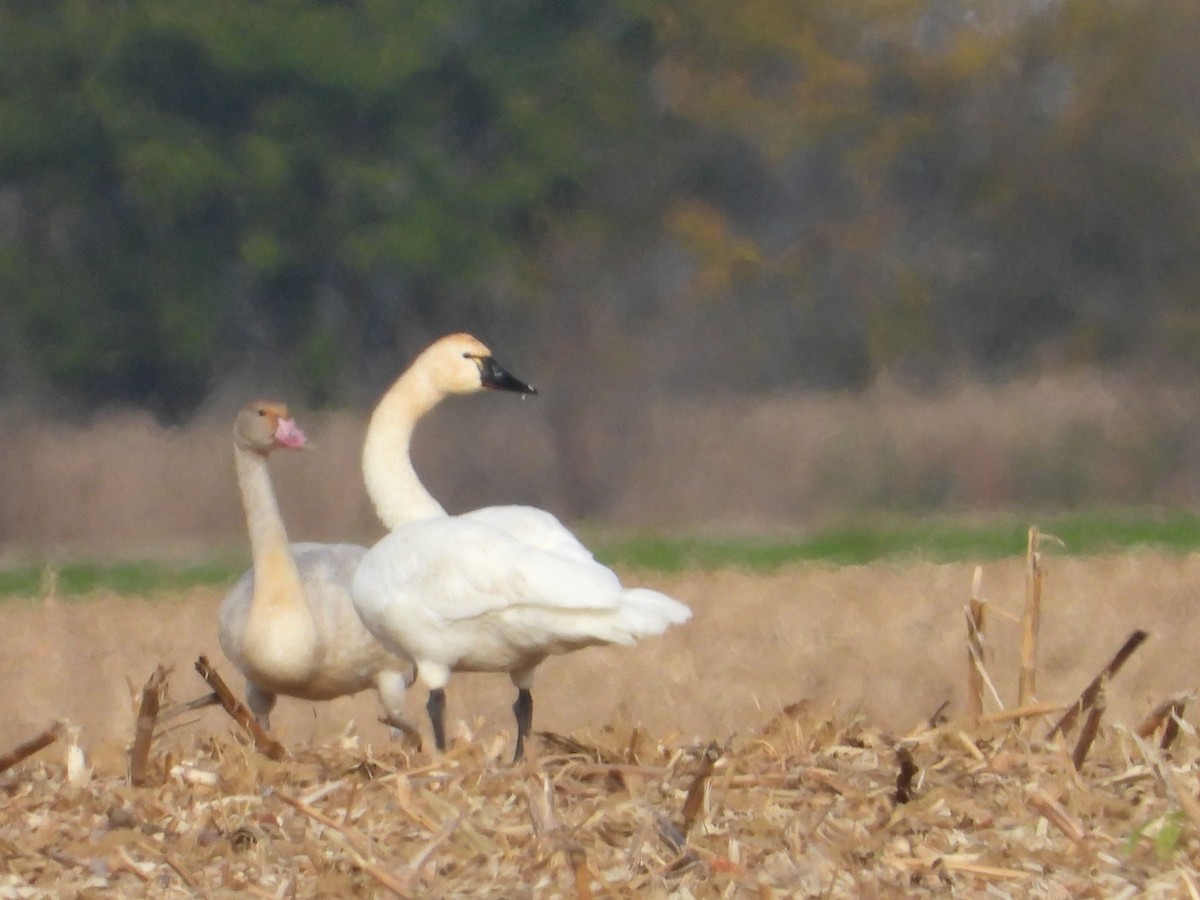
461	568
420	565
533	527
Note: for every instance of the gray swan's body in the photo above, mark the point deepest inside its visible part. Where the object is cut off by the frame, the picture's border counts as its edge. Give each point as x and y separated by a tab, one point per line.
289	624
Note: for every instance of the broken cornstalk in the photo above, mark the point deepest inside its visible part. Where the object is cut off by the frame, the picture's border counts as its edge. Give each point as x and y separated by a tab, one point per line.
1087	734
577	857
695	794
976	610
904	780
1055	813
263	742
1096	687
1169	711
1031	619
139	753
23	751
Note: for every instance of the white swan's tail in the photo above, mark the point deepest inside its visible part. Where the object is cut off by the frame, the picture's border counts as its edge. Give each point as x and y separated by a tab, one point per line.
648	612
639	613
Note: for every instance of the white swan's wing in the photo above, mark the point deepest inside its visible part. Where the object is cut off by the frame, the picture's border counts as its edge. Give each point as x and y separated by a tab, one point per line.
533	527
463	568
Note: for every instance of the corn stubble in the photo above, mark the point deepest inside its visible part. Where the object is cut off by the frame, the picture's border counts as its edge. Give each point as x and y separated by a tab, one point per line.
1044	798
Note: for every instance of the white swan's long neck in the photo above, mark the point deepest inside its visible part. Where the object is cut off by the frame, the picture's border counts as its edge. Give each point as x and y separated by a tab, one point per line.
392	483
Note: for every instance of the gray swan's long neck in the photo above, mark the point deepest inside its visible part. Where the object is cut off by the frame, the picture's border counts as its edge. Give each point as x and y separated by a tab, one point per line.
280	642
268	537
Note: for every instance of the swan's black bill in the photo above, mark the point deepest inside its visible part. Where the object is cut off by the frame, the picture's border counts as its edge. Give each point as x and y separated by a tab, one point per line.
494	375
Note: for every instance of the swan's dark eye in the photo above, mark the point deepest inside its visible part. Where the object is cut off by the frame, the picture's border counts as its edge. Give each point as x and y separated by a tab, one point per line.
262	412
468	355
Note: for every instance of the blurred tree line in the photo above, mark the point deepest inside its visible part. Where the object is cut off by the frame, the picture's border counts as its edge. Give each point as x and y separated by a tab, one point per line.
680	193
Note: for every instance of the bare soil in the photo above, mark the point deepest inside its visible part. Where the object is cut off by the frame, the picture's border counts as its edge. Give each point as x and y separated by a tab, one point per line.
885	639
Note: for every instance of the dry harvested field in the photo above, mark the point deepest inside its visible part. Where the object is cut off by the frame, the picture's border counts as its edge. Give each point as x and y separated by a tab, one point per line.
803	803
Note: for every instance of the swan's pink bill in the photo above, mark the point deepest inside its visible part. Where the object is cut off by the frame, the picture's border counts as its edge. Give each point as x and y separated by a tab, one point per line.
288	434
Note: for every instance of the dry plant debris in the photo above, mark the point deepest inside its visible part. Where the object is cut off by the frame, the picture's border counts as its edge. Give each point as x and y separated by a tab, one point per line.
147	719
814	803
263	741
805	806
27	748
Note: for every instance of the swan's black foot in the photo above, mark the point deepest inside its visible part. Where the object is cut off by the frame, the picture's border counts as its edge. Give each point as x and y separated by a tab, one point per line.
436	706
523	710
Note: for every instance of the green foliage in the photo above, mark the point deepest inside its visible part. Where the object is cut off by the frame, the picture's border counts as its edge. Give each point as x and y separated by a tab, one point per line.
306	149
1166	837
1166	841
815	192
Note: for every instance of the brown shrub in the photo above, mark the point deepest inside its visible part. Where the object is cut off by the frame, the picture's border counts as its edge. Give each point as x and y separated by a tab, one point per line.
125	485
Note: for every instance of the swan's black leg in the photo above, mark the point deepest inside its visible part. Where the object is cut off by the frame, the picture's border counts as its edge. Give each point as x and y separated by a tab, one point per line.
437	707
523	710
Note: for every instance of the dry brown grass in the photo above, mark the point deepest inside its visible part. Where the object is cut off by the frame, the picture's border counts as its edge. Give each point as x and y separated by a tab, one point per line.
126	486
801	803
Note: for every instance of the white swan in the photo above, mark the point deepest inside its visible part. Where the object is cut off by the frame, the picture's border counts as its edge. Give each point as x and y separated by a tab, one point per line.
289	625
494	590
456	364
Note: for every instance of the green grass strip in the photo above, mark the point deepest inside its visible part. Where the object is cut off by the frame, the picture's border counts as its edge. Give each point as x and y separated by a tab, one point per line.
132	578
936	539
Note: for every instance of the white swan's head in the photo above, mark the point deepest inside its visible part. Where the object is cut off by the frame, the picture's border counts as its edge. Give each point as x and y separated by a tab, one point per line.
263	426
462	364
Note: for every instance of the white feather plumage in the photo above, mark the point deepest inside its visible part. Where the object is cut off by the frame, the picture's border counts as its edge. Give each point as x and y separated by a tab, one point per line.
493	590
